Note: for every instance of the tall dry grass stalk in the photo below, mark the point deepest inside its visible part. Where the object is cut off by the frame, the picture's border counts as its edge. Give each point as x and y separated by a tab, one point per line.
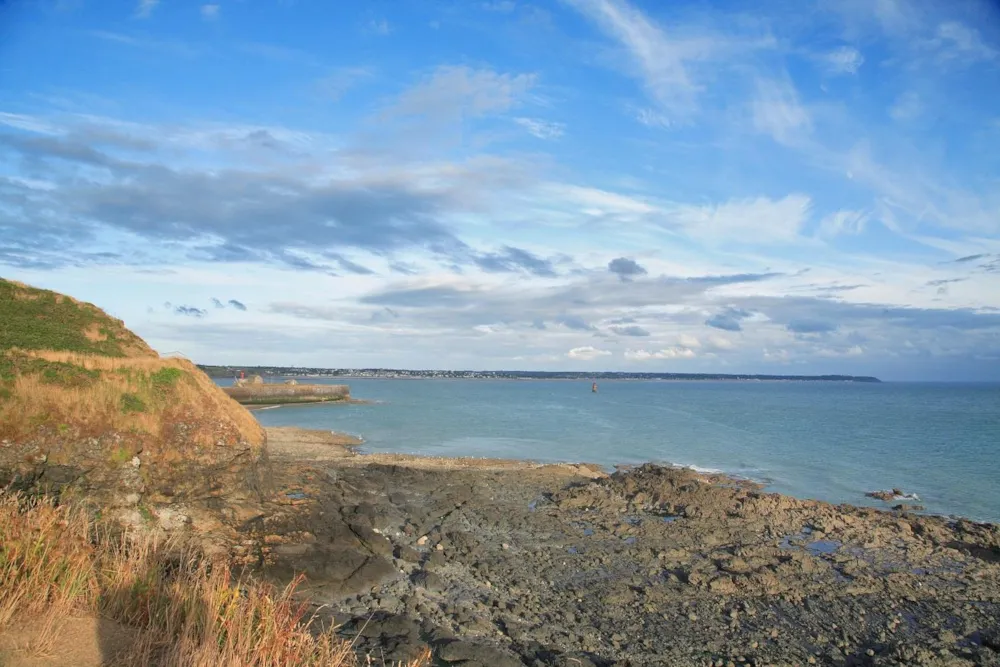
184	611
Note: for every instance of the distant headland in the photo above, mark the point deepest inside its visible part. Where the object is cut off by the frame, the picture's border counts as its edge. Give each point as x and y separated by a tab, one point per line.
298	371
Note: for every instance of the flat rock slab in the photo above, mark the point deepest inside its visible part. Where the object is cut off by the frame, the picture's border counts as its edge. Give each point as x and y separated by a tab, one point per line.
471	654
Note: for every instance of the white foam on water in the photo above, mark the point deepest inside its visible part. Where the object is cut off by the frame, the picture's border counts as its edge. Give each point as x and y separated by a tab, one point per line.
703	471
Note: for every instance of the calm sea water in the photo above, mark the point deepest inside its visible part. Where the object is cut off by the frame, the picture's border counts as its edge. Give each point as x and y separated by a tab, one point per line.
830	441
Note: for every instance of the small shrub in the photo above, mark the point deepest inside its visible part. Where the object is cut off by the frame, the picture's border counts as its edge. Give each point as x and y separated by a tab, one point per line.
166	377
120	455
66	375
147	515
7	371
131	403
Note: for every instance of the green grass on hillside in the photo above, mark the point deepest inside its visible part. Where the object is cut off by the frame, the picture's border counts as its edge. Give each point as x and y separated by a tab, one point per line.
36	319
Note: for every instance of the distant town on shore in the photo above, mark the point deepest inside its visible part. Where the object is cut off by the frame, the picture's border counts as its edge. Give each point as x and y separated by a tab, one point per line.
303	372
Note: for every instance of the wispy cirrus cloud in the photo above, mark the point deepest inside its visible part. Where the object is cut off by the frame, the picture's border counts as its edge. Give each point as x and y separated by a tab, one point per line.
168	46
668	61
778	112
956	42
379	27
760	220
145	8
842	60
336	84
542	129
463	91
661	63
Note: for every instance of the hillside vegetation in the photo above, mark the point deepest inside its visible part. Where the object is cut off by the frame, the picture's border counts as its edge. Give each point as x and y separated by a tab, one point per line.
69	371
37	319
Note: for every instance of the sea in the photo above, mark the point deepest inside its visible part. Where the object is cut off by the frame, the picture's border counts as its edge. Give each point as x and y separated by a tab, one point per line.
829	441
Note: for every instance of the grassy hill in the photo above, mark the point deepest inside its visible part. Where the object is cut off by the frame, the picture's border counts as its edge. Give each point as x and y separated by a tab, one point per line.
76	385
37	319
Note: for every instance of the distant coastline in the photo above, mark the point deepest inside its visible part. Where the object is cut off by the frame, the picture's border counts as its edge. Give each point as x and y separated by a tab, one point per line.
363	373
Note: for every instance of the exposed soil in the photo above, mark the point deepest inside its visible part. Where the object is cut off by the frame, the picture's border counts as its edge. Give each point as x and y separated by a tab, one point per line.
74	641
494	562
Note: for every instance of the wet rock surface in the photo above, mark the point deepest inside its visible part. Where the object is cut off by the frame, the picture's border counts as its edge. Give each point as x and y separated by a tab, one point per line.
520	564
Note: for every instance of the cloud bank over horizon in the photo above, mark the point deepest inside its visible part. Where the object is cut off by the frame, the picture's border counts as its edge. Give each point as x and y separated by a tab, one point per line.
564	184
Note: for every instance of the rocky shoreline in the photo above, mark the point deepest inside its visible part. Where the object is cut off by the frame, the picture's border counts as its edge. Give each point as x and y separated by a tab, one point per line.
494	562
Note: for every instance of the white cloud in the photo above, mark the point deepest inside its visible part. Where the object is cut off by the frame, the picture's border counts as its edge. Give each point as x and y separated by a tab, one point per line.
379	27
470	92
921	195
173	47
686	347
844	60
651	118
720	344
343	79
667	61
781	356
210	11
957	41
844	222
906	107
685	340
27	123
145	8
666	353
661	61
761	220
501	6
778	112
587	353
542	129
597	203
834	353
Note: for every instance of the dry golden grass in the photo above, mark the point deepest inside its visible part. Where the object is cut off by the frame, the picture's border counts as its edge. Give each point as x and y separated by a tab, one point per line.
142	395
183	611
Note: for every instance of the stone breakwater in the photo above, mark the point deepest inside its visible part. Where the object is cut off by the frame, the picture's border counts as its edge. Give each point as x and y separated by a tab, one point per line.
494	562
279	394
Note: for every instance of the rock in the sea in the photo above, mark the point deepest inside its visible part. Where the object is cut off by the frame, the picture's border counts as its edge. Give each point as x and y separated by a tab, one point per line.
884	496
907	507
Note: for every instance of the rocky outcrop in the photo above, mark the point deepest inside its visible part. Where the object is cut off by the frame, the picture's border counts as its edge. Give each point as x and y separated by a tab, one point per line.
90	413
510	563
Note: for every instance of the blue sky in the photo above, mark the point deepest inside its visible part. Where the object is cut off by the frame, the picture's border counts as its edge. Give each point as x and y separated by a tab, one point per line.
796	187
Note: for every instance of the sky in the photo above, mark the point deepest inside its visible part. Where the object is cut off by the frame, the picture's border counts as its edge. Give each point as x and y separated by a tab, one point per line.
788	186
